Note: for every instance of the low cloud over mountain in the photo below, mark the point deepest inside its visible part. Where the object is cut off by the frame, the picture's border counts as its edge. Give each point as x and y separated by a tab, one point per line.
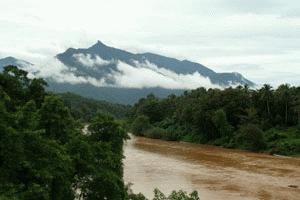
100	67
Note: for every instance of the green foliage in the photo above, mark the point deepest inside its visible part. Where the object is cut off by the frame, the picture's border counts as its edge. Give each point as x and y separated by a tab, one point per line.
151	108
130	195
175	195
220	121
43	153
56	119
284	141
220	117
156	133
158	195
250	137
192	137
85	108
140	125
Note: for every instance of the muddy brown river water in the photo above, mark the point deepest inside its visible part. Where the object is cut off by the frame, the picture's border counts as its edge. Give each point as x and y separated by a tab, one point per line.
216	173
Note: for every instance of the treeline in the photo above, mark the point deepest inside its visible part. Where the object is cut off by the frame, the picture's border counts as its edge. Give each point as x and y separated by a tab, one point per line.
45	155
265	119
85	108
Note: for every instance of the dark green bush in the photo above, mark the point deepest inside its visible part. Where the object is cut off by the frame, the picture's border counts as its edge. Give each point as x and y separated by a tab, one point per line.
140	125
250	137
156	133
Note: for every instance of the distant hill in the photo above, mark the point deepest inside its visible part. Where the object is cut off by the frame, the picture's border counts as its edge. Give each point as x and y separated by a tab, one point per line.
13	61
114	75
110	94
85	108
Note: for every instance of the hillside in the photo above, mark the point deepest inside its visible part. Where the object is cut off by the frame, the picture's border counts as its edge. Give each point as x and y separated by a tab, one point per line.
86	108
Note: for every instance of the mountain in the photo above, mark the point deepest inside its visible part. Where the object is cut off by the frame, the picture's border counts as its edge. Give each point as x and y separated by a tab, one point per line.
114	75
108	54
13	61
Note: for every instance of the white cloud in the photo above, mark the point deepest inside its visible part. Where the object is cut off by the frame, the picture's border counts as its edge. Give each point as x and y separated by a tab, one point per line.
216	33
88	61
145	75
53	69
141	75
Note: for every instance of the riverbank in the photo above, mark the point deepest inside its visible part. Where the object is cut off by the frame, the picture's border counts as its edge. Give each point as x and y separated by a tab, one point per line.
238	117
281	142
217	173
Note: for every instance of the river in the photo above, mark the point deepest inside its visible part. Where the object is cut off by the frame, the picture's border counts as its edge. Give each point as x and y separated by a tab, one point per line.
216	173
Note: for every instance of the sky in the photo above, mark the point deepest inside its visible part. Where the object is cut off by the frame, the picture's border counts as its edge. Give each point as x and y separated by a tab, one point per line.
258	38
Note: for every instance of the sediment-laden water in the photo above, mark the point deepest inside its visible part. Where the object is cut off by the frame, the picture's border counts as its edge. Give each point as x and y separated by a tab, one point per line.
217	173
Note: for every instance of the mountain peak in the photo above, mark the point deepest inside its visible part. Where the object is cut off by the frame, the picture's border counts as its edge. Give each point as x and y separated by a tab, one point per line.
9	58
13	61
98	44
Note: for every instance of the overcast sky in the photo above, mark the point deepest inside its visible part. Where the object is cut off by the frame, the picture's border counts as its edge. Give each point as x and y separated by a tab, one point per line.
258	38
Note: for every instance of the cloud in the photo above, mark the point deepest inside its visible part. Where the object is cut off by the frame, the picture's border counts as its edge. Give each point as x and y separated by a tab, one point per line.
216	33
53	69
146	75
138	75
91	61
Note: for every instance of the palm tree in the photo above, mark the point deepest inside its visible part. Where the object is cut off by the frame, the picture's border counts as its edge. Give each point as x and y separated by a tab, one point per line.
285	97
266	96
296	107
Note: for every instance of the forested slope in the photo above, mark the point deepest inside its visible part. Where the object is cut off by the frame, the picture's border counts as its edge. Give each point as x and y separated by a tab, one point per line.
265	119
44	155
85	108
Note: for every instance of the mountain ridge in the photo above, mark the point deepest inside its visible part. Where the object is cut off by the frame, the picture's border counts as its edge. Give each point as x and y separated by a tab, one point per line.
173	64
115	75
13	61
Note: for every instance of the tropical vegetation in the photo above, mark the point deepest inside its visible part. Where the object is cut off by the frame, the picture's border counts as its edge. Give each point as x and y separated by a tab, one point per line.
45	155
264	119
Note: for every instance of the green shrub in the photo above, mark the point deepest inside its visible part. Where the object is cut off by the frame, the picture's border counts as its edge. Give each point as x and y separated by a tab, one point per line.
140	125
223	141
176	195
287	147
172	135
274	135
156	133
192	137
250	137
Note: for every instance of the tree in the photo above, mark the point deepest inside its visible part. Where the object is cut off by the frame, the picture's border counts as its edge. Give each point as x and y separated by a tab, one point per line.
250	137
175	195
106	178
140	125
14	83
251	116
44	156
27	116
37	90
284	99
266	96
56	119
220	121
151	107
296	108
158	195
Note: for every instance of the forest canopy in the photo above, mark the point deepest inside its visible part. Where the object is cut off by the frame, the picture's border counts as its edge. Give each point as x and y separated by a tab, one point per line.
264	119
86	108
46	155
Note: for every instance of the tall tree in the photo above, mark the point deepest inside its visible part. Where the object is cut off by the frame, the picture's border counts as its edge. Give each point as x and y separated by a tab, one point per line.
266	95
284	99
